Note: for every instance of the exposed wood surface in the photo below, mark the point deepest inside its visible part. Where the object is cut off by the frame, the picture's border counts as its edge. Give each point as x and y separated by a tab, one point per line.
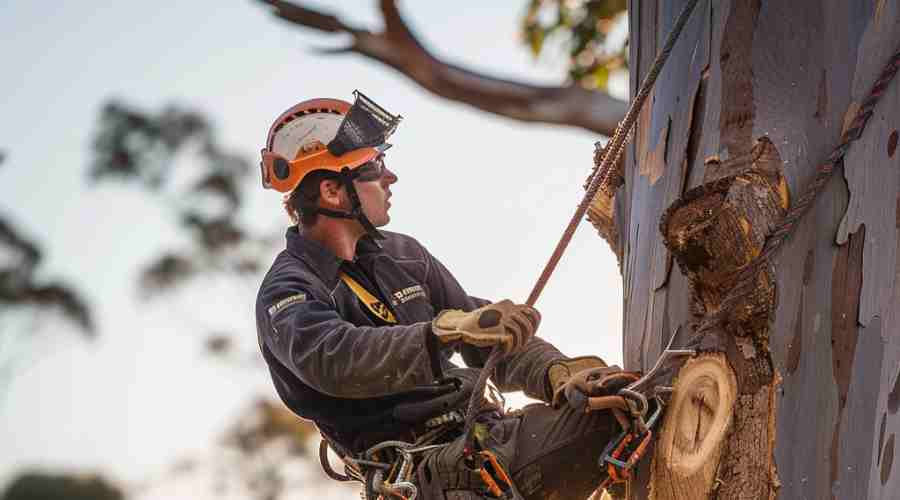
694	431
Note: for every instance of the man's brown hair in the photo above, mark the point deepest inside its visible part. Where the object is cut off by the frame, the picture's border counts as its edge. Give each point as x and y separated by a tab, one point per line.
302	202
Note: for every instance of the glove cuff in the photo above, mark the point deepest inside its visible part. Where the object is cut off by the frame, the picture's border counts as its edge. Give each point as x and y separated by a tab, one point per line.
432	345
446	323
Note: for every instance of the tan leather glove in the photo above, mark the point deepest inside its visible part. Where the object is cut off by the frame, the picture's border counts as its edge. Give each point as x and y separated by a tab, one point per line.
561	371
503	323
575	380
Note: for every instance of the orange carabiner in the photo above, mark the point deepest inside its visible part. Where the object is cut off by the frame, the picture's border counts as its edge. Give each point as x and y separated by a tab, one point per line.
493	474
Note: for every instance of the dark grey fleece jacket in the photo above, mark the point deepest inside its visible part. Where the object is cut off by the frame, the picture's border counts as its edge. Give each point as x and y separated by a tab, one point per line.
334	362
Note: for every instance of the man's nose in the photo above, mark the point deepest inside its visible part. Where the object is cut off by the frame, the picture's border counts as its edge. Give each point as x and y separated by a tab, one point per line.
389	177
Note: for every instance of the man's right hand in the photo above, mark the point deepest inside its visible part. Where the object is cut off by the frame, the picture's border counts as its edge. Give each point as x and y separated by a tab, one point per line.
503	323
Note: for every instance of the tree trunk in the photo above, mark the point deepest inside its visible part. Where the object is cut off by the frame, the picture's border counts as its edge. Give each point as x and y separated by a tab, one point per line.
752	100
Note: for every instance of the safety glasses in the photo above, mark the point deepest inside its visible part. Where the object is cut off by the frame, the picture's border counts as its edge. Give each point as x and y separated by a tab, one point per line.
371	170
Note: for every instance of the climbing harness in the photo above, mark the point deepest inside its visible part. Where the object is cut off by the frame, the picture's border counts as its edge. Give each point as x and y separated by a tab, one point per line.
386	469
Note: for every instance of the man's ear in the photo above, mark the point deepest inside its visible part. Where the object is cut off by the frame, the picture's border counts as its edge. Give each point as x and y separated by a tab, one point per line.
330	192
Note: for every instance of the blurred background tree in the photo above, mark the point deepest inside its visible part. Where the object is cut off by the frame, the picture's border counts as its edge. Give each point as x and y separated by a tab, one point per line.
41	486
27	301
587	31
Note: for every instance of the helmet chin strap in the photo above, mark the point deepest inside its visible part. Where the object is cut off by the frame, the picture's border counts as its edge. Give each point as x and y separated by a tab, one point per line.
356	211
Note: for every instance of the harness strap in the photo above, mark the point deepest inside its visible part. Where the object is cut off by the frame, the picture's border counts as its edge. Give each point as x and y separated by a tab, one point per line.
356	212
377	307
347	177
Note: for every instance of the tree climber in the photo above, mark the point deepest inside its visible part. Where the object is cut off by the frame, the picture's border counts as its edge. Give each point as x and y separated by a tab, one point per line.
357	327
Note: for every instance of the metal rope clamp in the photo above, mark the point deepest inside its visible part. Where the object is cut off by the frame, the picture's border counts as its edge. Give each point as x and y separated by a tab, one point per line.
623	453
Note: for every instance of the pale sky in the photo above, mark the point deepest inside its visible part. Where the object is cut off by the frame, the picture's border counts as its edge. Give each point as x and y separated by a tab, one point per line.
488	196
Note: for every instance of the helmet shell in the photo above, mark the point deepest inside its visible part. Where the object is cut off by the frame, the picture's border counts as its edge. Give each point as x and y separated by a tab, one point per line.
296	144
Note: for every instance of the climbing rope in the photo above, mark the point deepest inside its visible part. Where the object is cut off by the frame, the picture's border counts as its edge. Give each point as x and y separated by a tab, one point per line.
746	276
613	151
599	178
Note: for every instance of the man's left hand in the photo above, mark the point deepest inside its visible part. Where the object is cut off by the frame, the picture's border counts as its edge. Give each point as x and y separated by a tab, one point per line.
575	380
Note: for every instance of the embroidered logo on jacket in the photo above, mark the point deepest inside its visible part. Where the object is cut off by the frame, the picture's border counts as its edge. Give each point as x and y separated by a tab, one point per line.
382	311
281	304
411	292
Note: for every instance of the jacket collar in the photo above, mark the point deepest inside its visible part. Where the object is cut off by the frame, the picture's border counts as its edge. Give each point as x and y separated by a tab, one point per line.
320	258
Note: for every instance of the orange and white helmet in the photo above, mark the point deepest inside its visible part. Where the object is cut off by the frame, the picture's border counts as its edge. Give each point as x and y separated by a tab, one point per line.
332	135
318	135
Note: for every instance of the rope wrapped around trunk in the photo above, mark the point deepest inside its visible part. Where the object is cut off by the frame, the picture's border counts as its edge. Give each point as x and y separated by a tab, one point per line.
785	228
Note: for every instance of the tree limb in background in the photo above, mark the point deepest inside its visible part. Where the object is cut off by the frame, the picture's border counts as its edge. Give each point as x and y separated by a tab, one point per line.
399	48
140	147
19	286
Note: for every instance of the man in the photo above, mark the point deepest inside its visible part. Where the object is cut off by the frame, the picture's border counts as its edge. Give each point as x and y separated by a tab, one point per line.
357	326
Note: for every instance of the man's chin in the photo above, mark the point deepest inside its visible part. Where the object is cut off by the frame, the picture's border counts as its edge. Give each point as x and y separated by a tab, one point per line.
380	221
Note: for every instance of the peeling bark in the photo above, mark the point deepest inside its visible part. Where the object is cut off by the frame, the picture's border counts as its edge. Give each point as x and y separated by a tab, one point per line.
738	111
748	471
887	460
847	281
601	212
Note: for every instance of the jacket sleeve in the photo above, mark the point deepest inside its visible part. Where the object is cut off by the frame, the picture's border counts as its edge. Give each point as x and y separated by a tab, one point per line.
333	356
526	370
